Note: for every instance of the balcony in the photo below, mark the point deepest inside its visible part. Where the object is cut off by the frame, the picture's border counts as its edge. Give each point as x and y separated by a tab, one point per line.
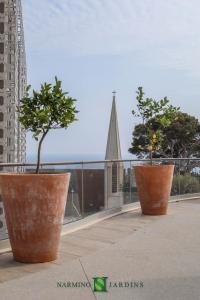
159	255
144	257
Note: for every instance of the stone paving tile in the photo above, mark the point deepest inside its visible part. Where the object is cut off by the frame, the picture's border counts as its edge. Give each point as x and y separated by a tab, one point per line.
84	242
11	275
105	235
44	285
65	257
73	249
10	269
7	262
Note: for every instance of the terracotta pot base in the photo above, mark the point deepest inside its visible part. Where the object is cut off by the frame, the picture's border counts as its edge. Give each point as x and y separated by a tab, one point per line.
35	260
154	212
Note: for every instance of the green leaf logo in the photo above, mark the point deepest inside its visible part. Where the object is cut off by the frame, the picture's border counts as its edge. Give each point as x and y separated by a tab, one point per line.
100	284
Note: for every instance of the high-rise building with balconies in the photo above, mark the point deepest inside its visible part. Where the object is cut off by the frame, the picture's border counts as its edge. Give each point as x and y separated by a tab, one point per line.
12	81
12	84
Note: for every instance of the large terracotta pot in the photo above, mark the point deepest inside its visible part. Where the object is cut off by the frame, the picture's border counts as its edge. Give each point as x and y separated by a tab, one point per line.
154	187
34	209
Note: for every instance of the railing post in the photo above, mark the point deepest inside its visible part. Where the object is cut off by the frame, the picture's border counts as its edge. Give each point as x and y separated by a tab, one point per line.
82	190
179	180
130	186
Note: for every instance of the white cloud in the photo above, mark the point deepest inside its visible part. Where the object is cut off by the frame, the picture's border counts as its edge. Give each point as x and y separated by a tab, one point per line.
166	30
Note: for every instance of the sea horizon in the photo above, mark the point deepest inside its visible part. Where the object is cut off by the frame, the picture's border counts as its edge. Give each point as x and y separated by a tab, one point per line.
56	157
31	158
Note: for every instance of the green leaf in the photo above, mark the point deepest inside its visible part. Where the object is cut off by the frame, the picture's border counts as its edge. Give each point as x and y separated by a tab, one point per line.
46	109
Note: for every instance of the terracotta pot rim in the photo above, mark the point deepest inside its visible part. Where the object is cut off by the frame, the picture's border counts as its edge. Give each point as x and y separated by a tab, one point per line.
34	174
152	166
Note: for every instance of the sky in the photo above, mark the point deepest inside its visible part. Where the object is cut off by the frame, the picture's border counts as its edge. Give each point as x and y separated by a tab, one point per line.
97	46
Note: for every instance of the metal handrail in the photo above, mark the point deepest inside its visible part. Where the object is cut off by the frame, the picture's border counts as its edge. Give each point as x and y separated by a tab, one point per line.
93	162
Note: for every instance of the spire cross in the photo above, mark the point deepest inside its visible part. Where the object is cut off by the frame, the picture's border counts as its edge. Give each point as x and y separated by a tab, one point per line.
114	94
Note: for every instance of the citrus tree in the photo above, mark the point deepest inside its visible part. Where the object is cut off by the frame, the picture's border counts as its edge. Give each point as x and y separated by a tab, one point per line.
156	117
46	110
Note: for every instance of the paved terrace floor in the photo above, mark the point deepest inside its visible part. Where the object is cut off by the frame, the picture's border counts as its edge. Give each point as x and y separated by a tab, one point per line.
162	252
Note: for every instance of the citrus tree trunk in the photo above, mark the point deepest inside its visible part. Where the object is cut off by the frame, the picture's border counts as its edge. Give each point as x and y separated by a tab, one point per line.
39	151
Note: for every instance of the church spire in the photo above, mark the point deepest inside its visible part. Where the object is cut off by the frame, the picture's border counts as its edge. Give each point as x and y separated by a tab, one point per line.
113	150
